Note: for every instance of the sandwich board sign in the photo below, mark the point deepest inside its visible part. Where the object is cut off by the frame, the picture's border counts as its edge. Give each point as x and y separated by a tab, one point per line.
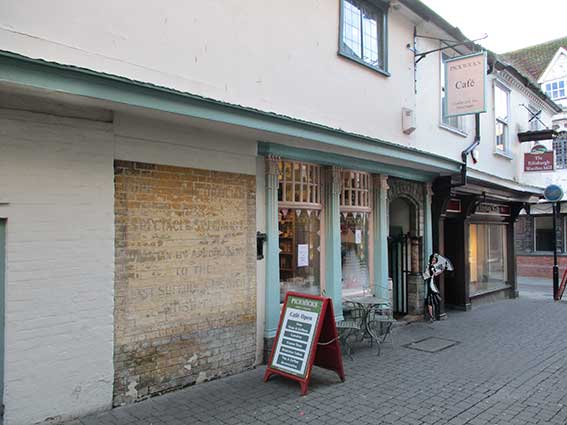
306	336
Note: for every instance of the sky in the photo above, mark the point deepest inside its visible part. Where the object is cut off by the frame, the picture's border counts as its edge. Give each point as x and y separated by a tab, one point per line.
510	24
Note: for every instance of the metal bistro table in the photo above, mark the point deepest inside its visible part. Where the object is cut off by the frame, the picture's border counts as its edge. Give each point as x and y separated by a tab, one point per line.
370	318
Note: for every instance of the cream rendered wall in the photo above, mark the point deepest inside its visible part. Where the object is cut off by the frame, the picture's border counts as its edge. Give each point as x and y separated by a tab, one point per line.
268	55
172	142
56	176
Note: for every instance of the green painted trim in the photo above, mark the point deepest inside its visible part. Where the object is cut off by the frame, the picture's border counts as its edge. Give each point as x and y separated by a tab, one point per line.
333	264
272	294
332	159
2	305
381	233
20	70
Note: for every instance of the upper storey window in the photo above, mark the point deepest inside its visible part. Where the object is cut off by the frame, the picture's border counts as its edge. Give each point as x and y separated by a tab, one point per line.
502	115
555	89
363	33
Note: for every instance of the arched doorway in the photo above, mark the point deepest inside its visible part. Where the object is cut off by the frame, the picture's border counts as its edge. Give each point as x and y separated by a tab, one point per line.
402	245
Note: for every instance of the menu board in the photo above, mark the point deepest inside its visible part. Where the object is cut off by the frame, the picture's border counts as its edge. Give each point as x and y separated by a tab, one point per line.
295	342
307	335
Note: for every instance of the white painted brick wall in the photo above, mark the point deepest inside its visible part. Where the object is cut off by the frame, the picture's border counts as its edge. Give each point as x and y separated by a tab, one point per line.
57	175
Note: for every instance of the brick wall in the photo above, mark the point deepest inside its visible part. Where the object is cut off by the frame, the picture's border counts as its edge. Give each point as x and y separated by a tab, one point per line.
185	304
536	264
540	265
56	176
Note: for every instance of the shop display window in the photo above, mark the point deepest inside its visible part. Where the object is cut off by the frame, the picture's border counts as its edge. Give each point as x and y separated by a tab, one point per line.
355	230
300	256
299	219
487	258
354	253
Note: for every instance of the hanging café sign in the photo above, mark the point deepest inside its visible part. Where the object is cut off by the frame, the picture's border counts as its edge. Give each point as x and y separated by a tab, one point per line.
465	85
539	159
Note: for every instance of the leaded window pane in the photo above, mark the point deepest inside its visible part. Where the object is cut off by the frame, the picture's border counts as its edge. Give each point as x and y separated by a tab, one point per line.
362	32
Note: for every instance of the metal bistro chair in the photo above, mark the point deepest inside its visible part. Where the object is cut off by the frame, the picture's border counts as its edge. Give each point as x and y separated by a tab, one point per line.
352	327
379	324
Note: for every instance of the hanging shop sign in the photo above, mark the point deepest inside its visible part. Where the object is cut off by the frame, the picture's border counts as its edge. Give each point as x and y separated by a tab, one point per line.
306	335
493	209
465	85
539	159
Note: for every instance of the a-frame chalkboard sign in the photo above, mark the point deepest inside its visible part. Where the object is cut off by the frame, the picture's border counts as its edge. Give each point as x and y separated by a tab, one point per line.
307	336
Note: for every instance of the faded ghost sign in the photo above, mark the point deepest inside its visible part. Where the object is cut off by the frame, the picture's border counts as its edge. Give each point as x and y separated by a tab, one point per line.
465	84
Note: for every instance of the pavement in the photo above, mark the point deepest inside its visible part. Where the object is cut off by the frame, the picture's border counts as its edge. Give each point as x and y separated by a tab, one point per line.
508	366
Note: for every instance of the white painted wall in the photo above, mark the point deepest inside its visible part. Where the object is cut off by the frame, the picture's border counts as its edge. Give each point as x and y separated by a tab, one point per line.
57	175
170	141
262	54
268	55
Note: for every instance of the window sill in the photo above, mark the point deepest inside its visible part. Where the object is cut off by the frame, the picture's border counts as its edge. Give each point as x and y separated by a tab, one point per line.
502	287
361	62
453	130
506	155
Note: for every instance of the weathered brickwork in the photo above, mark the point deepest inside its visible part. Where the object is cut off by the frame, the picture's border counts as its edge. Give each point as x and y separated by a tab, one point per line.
185	284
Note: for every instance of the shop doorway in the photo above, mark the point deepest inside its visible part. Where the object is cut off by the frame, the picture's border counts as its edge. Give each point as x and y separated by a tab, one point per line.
399	255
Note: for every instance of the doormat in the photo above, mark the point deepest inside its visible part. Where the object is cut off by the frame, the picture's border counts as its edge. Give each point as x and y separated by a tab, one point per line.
431	344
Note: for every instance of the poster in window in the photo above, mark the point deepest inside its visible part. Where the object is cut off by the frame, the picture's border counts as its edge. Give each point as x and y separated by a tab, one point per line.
358	236
302	255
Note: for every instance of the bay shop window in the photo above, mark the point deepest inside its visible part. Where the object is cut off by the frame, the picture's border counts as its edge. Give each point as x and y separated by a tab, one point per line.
355	207
301	227
299	221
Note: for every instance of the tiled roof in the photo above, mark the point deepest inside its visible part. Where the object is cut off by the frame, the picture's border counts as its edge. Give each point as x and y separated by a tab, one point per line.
533	60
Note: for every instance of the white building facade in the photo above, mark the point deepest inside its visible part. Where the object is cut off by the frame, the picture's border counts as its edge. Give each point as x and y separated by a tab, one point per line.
145	150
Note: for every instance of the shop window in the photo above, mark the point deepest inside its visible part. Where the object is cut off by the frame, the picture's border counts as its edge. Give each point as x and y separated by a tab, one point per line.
363	33
502	114
543	229
299	217
487	258
355	233
299	183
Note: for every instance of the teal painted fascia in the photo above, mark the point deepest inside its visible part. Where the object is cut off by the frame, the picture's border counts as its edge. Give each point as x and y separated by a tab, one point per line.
332	159
40	74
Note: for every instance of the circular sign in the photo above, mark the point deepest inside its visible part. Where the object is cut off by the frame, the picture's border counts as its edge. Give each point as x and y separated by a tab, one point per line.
553	193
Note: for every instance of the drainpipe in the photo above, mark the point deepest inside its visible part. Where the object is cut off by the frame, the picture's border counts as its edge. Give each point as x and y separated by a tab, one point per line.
469	150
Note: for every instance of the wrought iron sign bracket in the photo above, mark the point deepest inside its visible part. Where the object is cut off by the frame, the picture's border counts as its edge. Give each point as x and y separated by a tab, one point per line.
420	55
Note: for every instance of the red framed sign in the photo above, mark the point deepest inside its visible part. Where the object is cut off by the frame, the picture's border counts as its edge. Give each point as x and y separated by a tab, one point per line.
307	336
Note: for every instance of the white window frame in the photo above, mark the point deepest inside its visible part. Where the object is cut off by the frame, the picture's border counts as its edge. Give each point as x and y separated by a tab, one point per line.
461	122
506	151
550	93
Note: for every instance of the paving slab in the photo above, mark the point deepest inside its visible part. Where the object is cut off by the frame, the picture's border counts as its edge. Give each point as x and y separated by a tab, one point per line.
508	368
